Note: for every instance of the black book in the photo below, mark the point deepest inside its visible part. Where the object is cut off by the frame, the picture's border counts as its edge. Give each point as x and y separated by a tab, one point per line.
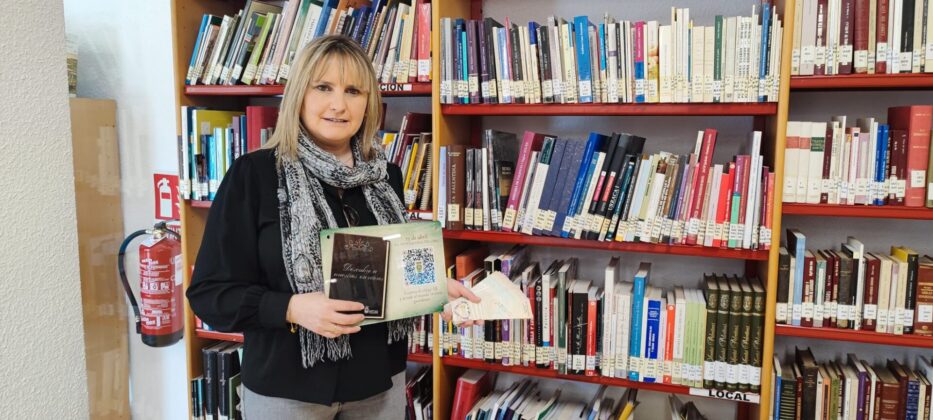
783	286
788	392
630	188
907	36
910	301
502	150
197	403
570	166
469	194
544	63
459	63
228	366
578	297
472	68
601	201
518	75
487	56
847	278
808	370
618	196
607	149
211	378
358	272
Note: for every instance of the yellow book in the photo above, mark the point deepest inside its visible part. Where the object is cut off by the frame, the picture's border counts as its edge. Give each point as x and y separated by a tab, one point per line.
410	164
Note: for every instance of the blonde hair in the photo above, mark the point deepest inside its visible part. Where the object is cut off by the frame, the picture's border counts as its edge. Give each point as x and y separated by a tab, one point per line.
309	65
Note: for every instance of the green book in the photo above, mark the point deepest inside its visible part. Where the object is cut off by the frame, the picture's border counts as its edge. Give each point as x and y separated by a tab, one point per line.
757	333
722	331
745	335
717	61
709	356
734	335
251	67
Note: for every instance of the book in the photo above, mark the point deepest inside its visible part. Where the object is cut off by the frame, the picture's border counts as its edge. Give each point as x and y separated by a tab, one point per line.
358	271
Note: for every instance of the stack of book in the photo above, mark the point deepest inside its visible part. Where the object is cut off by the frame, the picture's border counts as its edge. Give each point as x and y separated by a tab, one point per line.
410	149
710	338
870	163
259	44
607	189
850	389
212	139
736	59
421	339
214	394
419	404
475	398
865	36
855	289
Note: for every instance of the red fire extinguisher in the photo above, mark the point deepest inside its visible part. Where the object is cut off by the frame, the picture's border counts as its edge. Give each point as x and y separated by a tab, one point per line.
160	321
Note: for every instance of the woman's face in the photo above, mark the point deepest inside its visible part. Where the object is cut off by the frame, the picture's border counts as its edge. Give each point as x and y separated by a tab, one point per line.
333	107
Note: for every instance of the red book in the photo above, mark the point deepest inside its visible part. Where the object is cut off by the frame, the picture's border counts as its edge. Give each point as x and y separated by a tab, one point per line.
531	141
743	189
765	242
846	26
827	164
862	9
917	121
591	320
809	289
257	119
699	184
896	170
468	261
870	297
722	209
424	42
822	26
669	341
923	314
473	385
881	37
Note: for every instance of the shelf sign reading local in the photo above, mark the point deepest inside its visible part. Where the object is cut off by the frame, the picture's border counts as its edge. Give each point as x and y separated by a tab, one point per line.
726	395
395	87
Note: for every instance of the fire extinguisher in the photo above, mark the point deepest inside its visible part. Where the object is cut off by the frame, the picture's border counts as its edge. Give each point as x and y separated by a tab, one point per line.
160	321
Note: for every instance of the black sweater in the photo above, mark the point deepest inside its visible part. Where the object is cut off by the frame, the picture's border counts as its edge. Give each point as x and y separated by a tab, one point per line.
239	284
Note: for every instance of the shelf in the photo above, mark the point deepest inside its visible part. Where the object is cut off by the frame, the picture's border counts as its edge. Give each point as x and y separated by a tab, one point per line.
857	336
863	81
516	238
878	212
205	204
602	109
602	380
217	335
388	89
423	358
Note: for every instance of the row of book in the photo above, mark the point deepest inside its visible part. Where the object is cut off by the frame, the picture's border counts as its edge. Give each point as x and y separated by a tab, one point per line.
850	389
419	395
476	397
212	139
258	45
607	189
870	163
215	394
862	36
707	338
853	288
736	59
411	150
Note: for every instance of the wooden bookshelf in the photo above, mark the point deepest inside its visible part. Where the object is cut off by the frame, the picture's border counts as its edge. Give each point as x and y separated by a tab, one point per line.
750	398
601	109
387	89
876	212
423	358
217	335
863	82
687	250
200	204
855	336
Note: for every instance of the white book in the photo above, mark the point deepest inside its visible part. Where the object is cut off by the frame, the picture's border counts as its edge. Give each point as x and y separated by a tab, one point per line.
928	48
713	204
819	297
791	161
803	161
612	63
898	291
611	277
728	57
582	219
852	155
709	60
831	186
895	58
858	256
917	42
665	57
775	78
754	197
487	219
504	90
526	192
798	31
884	293
808	38
570	63
556	60
623	325
751	84
697	47
815	166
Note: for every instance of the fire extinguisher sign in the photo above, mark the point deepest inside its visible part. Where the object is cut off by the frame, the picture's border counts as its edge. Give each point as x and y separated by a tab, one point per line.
166	196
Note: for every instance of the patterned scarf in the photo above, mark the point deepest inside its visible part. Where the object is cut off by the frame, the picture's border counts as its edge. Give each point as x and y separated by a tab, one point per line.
304	212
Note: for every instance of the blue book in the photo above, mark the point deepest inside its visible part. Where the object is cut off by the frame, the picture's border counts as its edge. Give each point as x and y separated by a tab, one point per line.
324	19
881	159
638	299
652	332
547	193
370	21
565	179
582	205
796	245
464	56
228	148
504	64
913	399
581	25
763	50
197	45
602	55
593	143
776	392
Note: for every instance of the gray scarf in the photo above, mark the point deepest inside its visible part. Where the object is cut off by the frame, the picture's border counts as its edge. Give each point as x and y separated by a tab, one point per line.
304	213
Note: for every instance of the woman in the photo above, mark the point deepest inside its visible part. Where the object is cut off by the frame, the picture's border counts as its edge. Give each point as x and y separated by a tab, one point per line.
259	266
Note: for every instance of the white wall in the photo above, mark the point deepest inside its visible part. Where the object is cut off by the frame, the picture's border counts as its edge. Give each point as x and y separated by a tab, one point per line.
125	53
42	355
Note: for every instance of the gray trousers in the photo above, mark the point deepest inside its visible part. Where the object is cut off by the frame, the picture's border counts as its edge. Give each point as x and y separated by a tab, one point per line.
387	405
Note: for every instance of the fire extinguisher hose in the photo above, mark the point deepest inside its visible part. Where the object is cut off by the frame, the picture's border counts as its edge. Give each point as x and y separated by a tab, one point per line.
121	266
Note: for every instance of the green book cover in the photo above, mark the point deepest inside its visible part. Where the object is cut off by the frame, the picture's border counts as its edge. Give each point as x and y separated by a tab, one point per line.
734	334
722	332
415	280
709	357
745	334
250	72
757	325
717	61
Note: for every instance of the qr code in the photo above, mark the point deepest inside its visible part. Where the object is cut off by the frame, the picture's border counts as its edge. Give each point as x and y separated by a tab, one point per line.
419	266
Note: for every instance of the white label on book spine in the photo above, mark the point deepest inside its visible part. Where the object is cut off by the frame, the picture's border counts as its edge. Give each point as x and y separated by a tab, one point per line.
817	312
532	354
924	313
586	88
453	212
806	55
908	317
781	312
590	362
820	57
488	350
807	310
861	187
474	84
881	53
930	191
899	187
755	377
870	311
562	356
795	311
845	55
445	88
861	59
795	60
765	236
547	89
918	178
578	362
905	60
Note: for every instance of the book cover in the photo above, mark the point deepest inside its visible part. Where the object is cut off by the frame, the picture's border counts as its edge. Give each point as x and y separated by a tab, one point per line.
358	271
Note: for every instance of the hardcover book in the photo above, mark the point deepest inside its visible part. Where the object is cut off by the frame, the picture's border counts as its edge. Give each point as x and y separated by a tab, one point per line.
358	271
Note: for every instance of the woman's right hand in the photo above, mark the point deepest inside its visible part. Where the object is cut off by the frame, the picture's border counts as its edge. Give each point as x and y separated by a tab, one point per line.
318	313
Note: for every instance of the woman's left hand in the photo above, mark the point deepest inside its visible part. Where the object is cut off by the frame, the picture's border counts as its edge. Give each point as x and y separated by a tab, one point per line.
455	290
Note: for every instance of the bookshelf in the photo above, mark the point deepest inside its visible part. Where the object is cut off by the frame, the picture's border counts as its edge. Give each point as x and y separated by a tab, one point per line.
875	212
862	82
387	89
742	109
855	336
217	335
